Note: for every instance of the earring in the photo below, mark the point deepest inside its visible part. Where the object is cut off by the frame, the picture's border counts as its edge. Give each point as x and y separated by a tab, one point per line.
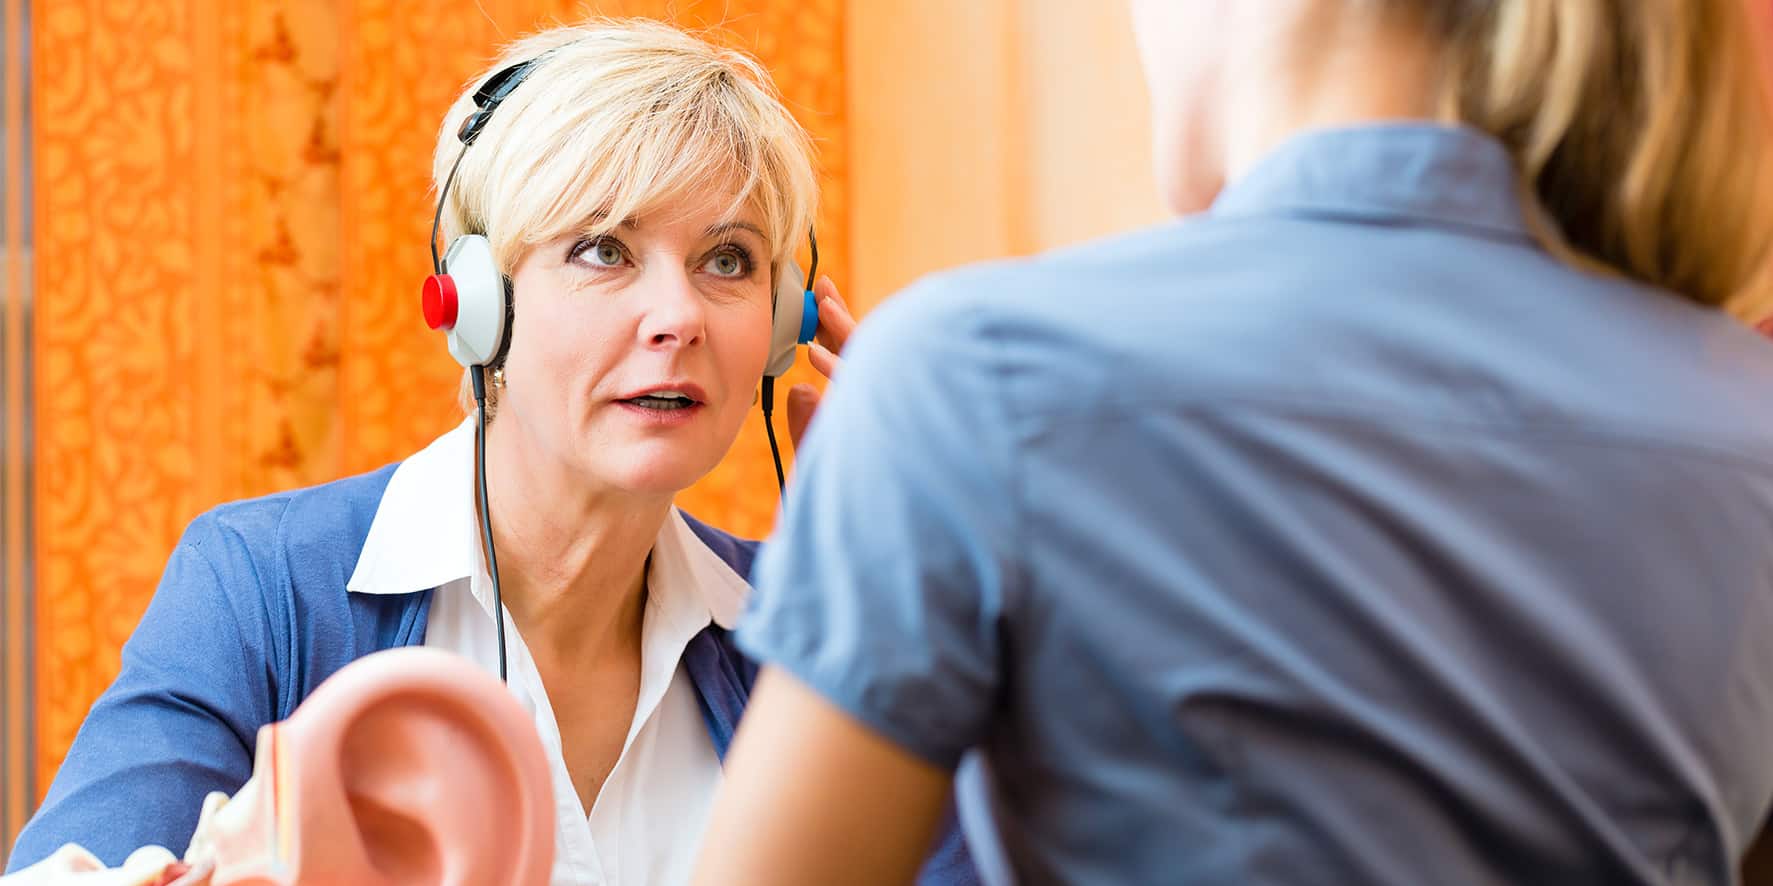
498	378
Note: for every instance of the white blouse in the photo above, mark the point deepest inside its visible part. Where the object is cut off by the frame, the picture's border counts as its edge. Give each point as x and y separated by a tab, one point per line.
647	822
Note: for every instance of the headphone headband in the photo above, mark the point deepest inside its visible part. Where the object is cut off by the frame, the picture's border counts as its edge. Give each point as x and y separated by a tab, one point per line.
487	98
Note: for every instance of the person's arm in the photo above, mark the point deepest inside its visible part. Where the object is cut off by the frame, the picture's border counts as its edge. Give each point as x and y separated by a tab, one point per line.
879	608
179	721
845	805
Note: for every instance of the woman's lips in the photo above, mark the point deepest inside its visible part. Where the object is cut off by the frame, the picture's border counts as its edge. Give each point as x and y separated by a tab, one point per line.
653	413
679	388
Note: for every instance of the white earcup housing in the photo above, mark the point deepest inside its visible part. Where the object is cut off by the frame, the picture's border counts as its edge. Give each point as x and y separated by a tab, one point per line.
479	327
788	319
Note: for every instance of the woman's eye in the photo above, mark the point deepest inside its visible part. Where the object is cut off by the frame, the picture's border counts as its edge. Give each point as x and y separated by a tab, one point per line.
605	253
728	264
600	253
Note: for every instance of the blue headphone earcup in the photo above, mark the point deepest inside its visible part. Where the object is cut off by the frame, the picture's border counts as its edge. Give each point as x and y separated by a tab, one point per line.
792	310
809	318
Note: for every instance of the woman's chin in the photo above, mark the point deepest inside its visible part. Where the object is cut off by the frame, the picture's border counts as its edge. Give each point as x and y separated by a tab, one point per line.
655	470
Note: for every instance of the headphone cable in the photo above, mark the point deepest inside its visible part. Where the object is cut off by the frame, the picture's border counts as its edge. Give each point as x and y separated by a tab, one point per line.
478	374
437	218
769	430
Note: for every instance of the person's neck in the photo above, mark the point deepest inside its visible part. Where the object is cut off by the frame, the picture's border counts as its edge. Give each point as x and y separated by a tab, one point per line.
572	559
1335	70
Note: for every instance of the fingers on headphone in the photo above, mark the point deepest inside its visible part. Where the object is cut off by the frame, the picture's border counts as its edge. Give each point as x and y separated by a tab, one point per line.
835	321
823	359
825	290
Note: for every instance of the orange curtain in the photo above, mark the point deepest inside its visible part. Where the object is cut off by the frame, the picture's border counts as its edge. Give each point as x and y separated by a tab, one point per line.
232	200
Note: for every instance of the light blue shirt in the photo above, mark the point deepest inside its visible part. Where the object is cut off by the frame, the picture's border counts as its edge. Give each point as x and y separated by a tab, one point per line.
1338	535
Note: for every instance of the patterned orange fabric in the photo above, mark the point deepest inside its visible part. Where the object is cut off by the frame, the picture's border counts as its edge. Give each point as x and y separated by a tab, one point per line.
232	201
16	721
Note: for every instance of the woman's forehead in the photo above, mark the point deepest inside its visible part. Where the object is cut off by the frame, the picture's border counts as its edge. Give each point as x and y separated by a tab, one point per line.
714	207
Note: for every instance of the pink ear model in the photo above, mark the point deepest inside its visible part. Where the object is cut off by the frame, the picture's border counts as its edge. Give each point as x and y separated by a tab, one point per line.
409	767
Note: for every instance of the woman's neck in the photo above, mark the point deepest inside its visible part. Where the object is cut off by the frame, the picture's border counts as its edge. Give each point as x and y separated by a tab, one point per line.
1328	68
572	559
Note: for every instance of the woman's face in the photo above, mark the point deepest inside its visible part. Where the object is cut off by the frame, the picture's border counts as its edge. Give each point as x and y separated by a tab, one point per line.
634	355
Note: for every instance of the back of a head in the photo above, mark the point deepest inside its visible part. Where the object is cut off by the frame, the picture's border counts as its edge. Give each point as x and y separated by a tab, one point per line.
1640	127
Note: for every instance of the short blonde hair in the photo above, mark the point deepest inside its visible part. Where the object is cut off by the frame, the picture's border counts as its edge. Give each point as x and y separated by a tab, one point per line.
1640	127
616	117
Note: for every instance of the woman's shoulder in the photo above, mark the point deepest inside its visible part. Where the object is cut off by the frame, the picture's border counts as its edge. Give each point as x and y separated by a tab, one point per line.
331	517
285	552
280	564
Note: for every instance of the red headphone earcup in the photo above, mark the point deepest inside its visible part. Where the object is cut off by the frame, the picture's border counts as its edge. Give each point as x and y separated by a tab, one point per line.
467	302
440	302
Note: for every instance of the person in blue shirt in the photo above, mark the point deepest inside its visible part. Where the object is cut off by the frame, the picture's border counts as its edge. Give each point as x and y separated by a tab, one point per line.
1399	516
632	194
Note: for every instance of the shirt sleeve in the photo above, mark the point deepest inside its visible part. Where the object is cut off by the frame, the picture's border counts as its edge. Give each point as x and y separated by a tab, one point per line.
180	720
885	586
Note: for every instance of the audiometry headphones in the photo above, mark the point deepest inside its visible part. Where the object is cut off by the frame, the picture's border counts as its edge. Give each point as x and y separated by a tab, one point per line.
469	300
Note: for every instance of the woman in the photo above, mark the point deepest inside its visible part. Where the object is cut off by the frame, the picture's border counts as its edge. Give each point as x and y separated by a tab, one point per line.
639	189
1399	518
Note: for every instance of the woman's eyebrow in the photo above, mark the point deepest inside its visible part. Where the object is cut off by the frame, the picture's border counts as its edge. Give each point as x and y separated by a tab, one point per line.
724	227
600	215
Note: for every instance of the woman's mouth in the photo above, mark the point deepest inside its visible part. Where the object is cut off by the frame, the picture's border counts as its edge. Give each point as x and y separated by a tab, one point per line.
664	401
665	406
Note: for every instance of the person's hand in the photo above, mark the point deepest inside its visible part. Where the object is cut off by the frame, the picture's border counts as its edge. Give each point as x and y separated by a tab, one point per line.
835	326
72	865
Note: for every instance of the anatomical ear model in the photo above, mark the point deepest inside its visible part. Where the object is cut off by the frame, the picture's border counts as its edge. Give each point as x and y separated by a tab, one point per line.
409	767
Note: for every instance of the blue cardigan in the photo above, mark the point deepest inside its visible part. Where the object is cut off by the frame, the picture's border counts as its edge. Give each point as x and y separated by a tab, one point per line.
251	615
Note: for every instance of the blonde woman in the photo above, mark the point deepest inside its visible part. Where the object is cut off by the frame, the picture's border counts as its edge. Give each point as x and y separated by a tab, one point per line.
640	189
1399	517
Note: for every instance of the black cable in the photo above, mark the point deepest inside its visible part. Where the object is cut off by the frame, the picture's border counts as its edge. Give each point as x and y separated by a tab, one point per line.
769	429
478	374
436	219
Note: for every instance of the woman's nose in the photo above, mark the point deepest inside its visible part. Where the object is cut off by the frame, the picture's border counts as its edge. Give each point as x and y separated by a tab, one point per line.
675	314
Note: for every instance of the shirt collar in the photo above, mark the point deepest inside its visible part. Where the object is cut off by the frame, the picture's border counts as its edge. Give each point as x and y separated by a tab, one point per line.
426	534
1411	172
681	561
